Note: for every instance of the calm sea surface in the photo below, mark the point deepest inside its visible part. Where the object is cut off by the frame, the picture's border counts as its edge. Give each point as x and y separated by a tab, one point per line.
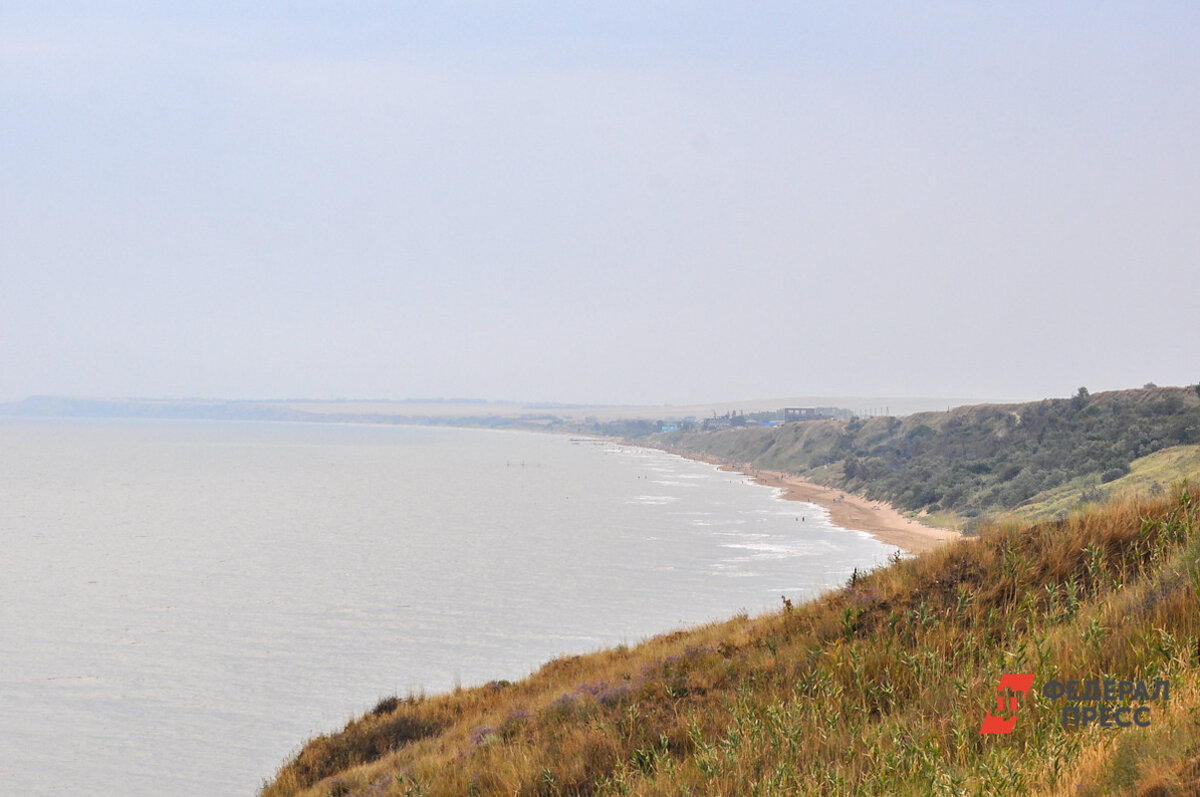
183	603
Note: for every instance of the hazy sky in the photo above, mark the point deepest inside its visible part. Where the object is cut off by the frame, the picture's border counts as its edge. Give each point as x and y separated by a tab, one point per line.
608	202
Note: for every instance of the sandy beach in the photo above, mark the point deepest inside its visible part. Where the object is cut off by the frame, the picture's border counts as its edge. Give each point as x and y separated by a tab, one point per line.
879	519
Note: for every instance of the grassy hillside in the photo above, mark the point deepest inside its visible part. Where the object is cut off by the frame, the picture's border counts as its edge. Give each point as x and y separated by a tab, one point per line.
1148	475
971	460
877	688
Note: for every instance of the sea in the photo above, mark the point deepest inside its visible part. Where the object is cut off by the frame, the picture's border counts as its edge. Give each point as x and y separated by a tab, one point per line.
183	603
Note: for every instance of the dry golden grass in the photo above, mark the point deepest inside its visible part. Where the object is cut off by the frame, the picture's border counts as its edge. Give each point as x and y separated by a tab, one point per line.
877	688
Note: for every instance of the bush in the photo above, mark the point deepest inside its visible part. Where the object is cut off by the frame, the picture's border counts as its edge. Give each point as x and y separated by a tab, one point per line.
1112	474
850	467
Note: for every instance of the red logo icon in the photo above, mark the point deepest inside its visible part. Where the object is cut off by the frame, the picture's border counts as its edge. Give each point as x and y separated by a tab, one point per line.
1013	687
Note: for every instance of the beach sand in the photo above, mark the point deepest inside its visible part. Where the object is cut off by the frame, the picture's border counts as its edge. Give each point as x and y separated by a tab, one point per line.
879	519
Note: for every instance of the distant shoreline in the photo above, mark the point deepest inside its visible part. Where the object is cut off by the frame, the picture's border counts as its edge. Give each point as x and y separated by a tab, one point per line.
854	512
877	518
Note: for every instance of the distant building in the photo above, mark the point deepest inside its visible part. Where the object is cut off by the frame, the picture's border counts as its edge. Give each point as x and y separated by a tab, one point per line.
802	414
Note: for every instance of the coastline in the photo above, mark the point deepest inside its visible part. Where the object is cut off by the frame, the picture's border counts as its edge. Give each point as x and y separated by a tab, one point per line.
850	511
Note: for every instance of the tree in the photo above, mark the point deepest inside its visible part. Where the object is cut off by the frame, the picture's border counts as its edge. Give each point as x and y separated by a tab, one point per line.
850	467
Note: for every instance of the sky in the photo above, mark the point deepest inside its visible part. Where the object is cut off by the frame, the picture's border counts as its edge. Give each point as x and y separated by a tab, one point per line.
631	203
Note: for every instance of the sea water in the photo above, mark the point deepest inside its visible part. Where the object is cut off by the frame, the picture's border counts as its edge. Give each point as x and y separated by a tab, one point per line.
183	603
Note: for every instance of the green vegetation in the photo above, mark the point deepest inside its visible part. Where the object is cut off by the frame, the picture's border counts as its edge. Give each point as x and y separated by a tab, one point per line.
1086	567
972	460
877	688
1148	475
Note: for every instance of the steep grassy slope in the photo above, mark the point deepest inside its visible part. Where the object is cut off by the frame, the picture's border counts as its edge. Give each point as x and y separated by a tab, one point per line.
1148	475
877	688
970	460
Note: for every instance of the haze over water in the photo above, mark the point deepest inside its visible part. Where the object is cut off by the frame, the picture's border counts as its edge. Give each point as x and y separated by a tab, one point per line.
184	603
